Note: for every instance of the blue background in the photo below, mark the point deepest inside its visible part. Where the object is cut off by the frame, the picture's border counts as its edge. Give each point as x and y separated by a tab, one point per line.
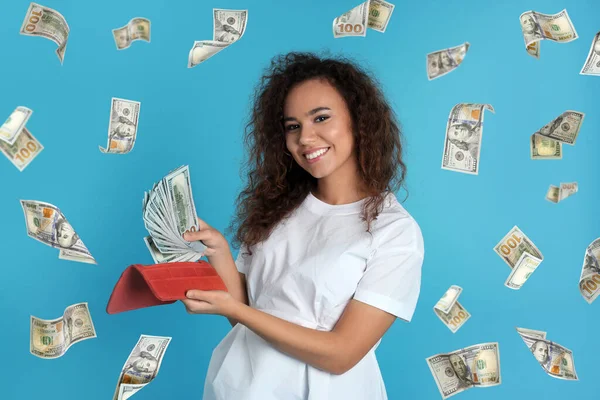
196	116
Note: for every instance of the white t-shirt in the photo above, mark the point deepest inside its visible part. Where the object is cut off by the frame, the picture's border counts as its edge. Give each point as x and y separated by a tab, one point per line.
306	272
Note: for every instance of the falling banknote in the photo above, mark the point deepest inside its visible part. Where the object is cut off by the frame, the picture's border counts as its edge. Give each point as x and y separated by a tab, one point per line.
442	62
537	26
477	365
450	311
564	128
463	138
52	338
521	255
141	366
589	282
136	29
374	14
544	148
45	223
123	126
46	22
14	124
23	151
558	193
555	359
228	27
592	63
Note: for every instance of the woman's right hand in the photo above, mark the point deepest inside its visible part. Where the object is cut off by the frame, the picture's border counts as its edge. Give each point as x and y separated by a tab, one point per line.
215	242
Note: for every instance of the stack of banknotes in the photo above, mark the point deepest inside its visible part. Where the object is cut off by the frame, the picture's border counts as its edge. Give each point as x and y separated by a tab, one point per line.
169	211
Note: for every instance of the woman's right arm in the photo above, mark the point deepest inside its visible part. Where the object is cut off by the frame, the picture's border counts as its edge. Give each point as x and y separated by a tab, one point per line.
234	281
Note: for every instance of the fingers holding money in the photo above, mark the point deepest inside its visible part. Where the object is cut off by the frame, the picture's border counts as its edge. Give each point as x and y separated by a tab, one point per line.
214	241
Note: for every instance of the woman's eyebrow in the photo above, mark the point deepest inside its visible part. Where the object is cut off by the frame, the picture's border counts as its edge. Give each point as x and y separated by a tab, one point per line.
311	112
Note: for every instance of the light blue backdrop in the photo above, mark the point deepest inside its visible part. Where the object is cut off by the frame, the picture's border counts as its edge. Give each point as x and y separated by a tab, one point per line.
196	116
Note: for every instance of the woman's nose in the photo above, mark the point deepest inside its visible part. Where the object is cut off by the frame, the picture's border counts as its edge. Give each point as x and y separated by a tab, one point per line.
307	134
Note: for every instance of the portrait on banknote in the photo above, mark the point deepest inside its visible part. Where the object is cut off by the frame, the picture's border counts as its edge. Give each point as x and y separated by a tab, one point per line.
530	28
121	127
461	370
140	366
226	33
589	264
434	62
65	234
465	137
541	352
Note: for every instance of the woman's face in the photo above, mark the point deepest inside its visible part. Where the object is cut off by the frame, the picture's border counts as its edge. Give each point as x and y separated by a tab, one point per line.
316	116
528	24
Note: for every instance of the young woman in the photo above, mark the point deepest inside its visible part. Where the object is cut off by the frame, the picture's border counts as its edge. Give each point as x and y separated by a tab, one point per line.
329	258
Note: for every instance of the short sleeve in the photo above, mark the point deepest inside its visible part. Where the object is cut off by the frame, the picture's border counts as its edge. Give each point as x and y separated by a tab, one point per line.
242	261
392	277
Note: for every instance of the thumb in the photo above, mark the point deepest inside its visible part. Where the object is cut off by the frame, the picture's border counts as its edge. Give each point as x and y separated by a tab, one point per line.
202	224
195	294
194	236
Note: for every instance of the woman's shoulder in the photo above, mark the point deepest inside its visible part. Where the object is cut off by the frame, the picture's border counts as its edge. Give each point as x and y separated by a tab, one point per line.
396	224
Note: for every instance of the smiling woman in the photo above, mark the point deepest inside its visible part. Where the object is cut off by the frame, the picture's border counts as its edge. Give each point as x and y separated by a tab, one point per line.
316	291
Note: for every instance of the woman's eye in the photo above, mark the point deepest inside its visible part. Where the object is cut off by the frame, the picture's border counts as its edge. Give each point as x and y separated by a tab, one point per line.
290	127
321	118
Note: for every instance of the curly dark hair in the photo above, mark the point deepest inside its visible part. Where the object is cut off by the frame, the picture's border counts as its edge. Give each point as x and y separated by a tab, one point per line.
277	185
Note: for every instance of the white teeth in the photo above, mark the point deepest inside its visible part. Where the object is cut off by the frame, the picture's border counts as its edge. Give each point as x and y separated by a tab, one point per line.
316	154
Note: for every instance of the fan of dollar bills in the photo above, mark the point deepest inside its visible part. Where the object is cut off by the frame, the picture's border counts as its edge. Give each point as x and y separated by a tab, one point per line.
169	211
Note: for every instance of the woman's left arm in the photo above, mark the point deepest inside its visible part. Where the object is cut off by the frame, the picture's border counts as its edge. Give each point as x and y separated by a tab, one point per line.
336	351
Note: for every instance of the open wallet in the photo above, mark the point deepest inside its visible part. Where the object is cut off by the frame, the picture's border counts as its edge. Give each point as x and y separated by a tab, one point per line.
152	285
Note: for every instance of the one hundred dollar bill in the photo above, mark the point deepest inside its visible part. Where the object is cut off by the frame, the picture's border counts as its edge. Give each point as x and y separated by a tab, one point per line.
564	128
353	22
592	63
380	12
521	255
136	29
463	138
202	50
160	258
558	193
141	366
589	282
25	148
46	22
442	62
181	199
15	123
52	338
123	126
228	26
522	271
70	255
446	302
457	371
47	224
532	332
536	26
555	359
544	148
450	311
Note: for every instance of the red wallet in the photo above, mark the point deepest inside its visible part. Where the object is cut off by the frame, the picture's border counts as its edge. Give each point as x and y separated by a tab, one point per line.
152	285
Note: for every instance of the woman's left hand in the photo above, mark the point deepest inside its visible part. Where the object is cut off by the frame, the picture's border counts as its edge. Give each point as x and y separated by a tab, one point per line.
210	302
